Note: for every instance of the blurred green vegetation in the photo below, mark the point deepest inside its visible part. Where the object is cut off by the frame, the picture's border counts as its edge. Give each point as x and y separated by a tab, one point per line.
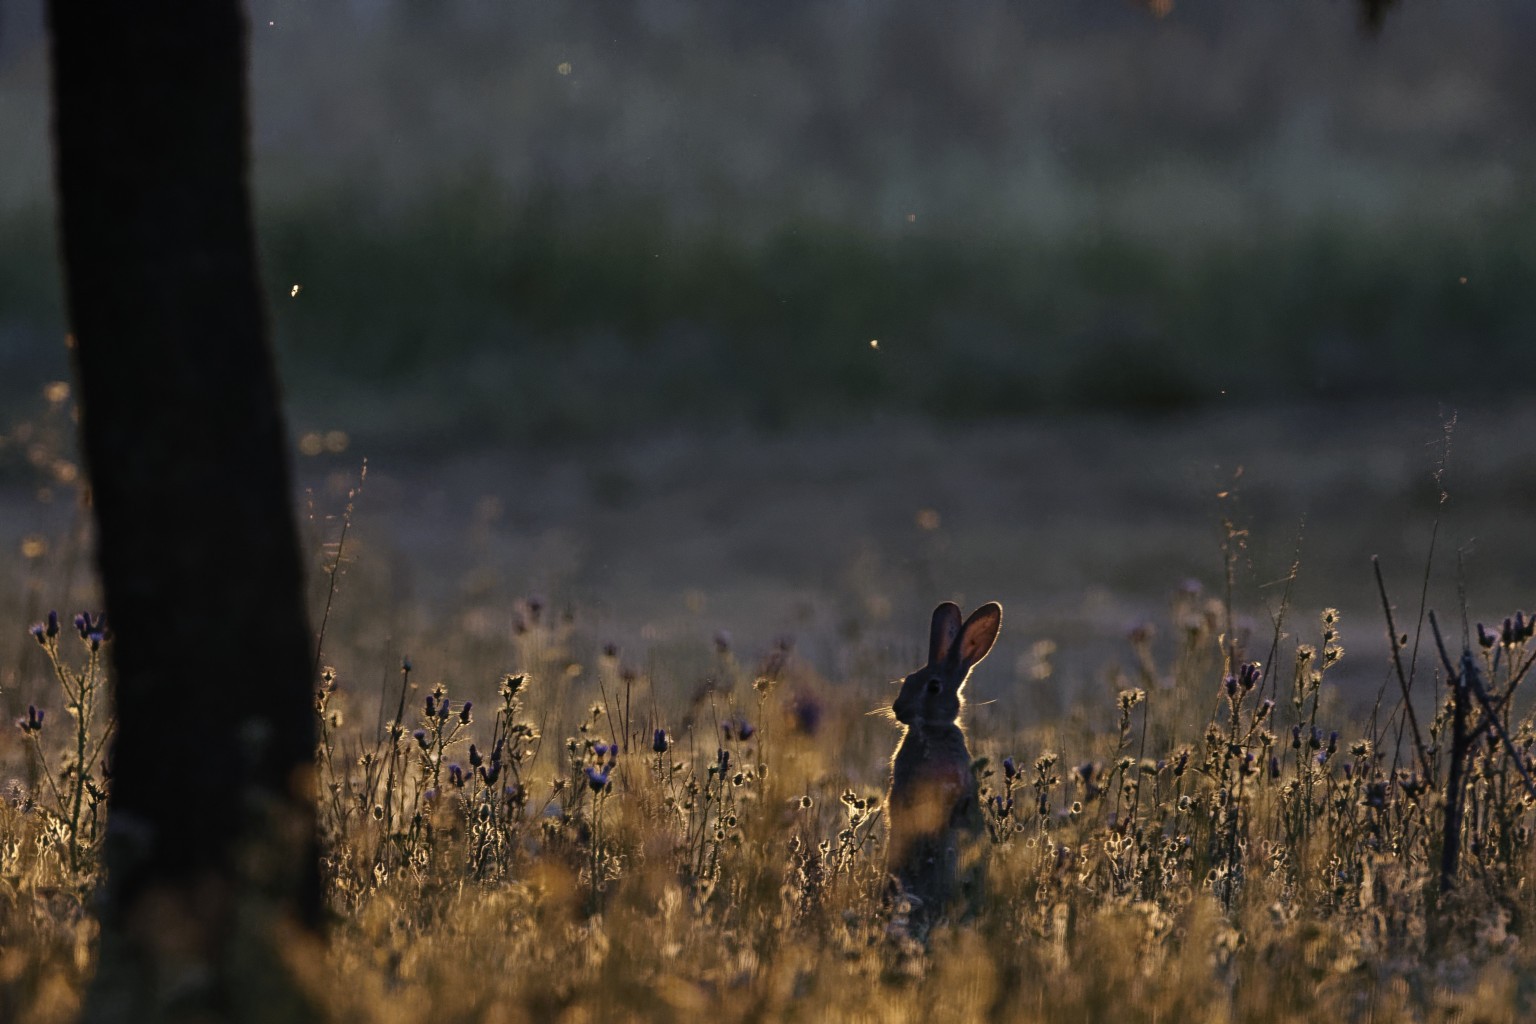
588	314
566	315
569	221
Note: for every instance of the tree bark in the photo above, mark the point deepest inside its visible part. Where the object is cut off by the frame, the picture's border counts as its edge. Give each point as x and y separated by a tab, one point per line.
210	850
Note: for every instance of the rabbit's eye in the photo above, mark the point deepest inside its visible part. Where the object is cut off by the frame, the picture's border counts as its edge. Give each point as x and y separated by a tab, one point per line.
934	686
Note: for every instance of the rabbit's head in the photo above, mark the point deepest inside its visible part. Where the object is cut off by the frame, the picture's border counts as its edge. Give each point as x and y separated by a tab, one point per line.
932	693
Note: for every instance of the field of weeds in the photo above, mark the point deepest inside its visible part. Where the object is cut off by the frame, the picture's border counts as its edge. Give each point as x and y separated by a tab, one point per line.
656	368
535	810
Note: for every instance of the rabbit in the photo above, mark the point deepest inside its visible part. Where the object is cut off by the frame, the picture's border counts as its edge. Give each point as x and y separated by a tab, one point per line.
936	829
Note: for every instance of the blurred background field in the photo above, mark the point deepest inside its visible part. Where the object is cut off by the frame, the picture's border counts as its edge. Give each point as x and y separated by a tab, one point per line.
544	222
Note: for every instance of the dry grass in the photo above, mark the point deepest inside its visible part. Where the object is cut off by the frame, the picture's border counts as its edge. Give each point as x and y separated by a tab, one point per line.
540	856
1199	841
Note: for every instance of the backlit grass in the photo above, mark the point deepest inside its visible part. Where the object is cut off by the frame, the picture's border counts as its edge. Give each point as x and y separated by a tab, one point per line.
595	841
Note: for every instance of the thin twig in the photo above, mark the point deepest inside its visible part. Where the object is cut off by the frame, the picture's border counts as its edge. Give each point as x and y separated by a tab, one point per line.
1450	843
1445	658
1474	679
1278	618
341	546
396	730
1403	679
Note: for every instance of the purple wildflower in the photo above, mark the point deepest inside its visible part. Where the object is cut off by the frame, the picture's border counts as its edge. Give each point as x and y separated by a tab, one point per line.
86	625
1248	675
808	713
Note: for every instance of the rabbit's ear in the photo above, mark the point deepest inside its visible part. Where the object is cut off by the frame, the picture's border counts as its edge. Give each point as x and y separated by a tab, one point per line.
979	634
946	629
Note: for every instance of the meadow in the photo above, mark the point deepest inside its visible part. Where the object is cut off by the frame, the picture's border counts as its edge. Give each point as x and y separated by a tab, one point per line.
641	803
654	369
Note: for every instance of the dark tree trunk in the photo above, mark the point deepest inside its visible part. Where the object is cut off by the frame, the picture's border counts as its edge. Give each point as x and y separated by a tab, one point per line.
211	841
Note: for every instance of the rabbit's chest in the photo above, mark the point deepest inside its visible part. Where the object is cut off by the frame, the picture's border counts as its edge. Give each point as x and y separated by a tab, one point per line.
934	788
